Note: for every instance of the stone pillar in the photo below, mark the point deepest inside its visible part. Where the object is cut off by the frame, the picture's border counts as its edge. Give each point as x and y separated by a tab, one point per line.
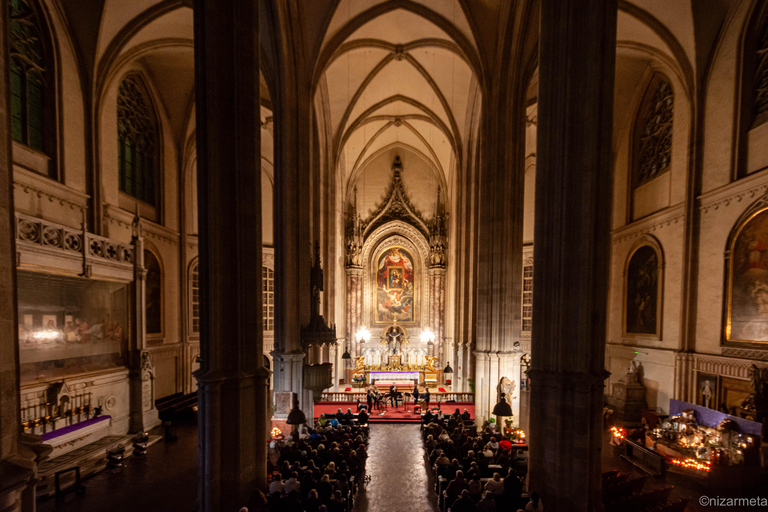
437	308
144	414
572	233
17	463
355	318
232	380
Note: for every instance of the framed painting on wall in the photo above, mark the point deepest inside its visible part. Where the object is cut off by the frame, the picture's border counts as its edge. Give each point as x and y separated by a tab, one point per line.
642	292
747	282
395	281
707	390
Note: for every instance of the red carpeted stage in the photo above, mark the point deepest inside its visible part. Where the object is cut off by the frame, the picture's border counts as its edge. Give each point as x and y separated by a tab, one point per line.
401	414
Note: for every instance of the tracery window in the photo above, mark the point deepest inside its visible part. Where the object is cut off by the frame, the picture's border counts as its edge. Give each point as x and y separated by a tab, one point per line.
653	132
268	298
761	74
194	288
136	141
527	315
28	76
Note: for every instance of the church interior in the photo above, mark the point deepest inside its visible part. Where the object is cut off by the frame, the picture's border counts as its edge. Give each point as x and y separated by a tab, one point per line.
223	222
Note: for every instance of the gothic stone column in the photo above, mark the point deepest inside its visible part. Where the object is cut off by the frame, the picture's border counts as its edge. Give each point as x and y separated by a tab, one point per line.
573	206
144	414
437	307
232	380
354	307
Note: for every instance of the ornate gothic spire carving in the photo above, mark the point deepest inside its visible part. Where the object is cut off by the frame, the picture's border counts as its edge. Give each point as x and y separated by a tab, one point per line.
396	205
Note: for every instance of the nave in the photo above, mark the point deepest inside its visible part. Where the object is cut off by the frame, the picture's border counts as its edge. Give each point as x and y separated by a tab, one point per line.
396	465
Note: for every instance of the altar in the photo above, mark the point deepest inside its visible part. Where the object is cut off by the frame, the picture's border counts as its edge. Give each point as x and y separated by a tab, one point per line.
395	361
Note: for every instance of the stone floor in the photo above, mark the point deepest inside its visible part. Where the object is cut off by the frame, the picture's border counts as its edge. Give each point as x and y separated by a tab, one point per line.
164	479
396	465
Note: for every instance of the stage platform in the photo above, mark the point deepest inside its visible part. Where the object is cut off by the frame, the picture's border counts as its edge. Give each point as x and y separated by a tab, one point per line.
401	414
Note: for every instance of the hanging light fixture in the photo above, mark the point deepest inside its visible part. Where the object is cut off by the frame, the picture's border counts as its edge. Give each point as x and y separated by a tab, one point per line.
448	368
502	408
346	355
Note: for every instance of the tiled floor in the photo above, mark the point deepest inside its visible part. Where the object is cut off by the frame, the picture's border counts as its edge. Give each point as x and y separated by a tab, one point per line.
399	480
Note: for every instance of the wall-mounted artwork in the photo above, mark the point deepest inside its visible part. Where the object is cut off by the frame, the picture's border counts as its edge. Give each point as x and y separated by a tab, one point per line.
707	390
642	288
395	278
70	325
747	289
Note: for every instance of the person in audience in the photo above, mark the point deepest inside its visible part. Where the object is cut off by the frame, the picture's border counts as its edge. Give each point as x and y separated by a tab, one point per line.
456	414
324	488
465	503
292	484
493	444
430	443
465	416
454	488
486	504
277	485
338	503
348	417
473	470
535	505
427	418
442	460
513	489
475	486
330	470
339	415
292	503
362	417
308	482
495	485
342	484
312	503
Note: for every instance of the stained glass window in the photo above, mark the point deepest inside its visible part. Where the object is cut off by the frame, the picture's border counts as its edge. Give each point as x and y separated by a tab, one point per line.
27	76
653	132
761	75
136	141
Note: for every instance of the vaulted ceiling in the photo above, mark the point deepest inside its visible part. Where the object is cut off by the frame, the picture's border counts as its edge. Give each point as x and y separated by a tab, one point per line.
397	80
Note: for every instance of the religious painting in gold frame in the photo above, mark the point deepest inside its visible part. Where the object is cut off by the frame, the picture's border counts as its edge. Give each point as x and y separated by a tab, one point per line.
747	282
642	289
395	281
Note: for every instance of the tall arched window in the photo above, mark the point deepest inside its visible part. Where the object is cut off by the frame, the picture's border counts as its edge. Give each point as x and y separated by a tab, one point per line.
268	298
194	292
154	293
760	87
28	75
653	132
137	141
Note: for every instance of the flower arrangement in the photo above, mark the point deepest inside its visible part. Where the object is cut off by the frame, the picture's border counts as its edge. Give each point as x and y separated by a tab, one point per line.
358	380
